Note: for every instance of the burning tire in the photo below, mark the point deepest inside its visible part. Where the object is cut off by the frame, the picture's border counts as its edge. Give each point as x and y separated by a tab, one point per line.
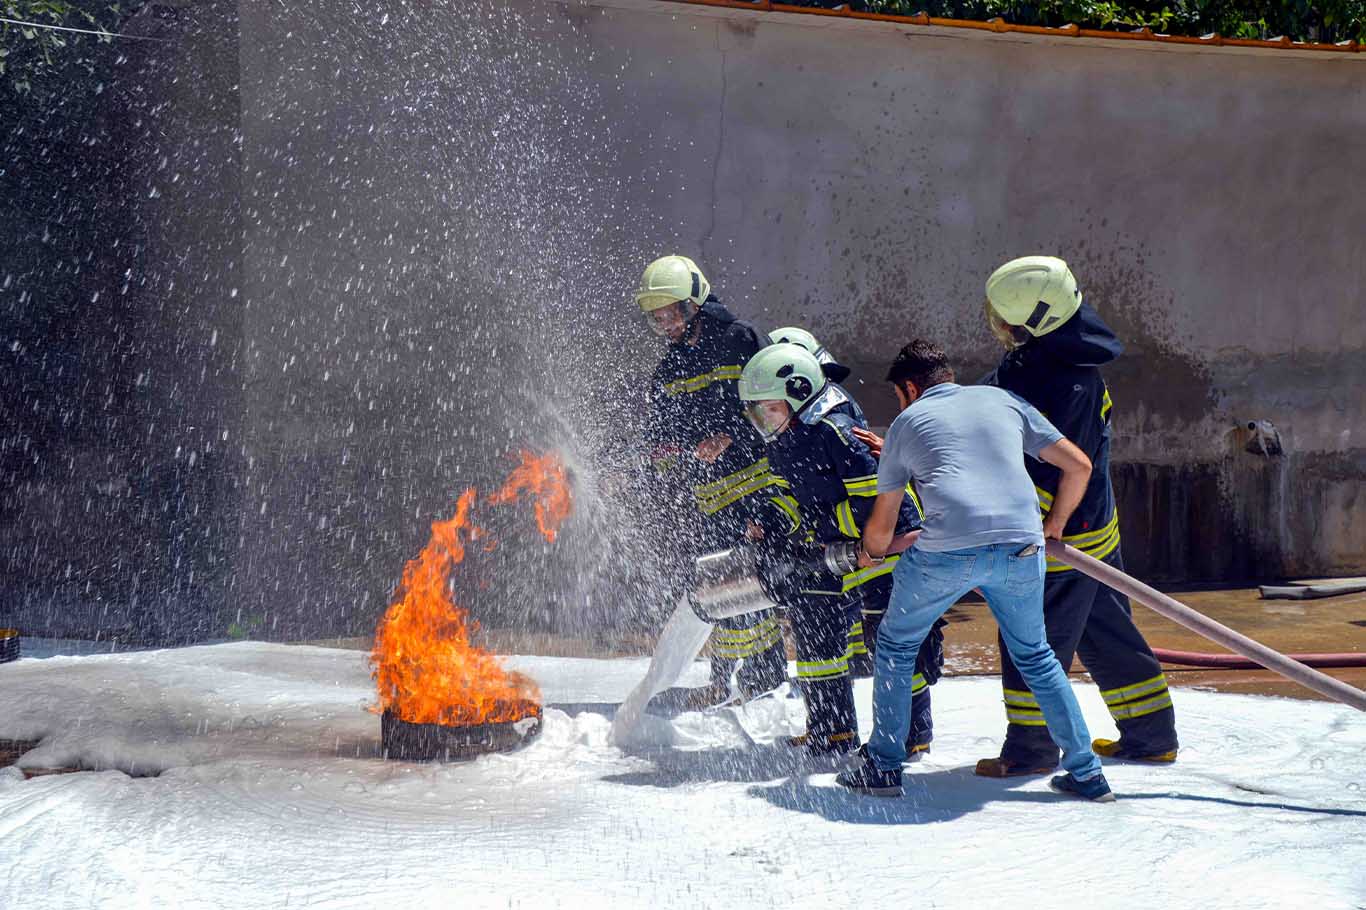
405	741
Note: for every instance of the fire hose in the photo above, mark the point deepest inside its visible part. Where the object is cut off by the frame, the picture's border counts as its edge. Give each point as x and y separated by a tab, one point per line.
1234	662
1201	624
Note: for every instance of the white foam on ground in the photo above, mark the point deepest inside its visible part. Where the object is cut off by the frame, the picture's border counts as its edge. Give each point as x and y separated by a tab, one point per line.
262	802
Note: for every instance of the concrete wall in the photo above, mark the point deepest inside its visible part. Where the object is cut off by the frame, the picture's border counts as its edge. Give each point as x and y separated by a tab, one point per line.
120	394
864	179
374	254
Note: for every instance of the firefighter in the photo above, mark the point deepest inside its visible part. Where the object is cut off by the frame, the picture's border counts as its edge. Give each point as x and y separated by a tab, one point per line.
709	459
860	658
1055	345
830	478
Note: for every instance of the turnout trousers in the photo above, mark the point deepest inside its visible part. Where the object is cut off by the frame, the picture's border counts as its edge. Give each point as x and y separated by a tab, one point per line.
1086	619
820	628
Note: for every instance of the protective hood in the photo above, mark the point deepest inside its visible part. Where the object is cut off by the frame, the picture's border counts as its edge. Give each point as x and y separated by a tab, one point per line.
720	317
835	371
831	397
717	311
1083	341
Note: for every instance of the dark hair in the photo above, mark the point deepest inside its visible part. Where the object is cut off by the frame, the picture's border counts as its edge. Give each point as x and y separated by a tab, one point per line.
921	362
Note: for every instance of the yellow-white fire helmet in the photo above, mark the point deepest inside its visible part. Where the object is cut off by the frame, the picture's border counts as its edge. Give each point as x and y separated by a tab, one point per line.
1035	293
802	338
780	372
671	279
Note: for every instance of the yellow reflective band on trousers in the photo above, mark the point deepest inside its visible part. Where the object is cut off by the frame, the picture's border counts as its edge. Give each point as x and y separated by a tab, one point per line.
698	383
857	646
1105	405
1138	699
1023	708
740	643
1096	544
863	576
834	668
918	684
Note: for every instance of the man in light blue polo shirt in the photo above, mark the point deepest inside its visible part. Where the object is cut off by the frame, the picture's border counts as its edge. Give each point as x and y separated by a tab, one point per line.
965	447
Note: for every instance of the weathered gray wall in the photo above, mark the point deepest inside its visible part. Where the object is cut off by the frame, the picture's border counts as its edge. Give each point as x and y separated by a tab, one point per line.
865	179
349	262
120	391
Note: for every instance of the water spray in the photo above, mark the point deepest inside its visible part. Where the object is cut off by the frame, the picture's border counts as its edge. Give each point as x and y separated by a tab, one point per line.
729	583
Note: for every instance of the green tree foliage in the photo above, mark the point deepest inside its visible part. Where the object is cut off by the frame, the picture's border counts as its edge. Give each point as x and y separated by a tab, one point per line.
1300	20
28	53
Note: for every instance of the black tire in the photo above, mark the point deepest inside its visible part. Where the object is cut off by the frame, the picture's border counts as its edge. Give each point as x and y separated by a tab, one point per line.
9	645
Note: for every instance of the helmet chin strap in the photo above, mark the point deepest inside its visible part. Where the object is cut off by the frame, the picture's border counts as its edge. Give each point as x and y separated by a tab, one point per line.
691	320
773	437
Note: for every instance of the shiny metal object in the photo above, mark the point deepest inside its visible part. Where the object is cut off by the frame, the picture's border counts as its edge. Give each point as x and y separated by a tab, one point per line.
728	585
841	557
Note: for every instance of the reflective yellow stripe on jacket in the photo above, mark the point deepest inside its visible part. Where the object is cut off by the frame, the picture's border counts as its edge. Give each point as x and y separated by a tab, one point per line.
863	486
1096	544
862	576
711	498
698	383
789	507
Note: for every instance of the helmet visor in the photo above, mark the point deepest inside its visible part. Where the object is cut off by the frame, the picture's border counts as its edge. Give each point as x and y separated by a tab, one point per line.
669	321
769	417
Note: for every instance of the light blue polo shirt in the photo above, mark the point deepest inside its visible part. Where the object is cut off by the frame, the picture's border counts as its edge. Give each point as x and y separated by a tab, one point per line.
964	446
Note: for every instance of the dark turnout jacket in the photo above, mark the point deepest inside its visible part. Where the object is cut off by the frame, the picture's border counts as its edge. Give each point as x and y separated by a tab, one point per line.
1059	373
693	395
830	478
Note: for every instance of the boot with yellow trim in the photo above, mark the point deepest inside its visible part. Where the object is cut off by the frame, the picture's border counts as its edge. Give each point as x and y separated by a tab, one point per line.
831	750
1116	749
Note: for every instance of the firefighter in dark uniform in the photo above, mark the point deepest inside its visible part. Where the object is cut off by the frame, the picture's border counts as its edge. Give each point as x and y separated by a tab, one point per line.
830	480
709	460
1056	344
860	658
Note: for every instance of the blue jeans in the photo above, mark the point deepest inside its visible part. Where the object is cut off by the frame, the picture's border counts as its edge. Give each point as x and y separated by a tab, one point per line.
925	585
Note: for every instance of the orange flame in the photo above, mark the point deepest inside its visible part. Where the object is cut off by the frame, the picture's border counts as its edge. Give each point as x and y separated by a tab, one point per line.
425	666
547	481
